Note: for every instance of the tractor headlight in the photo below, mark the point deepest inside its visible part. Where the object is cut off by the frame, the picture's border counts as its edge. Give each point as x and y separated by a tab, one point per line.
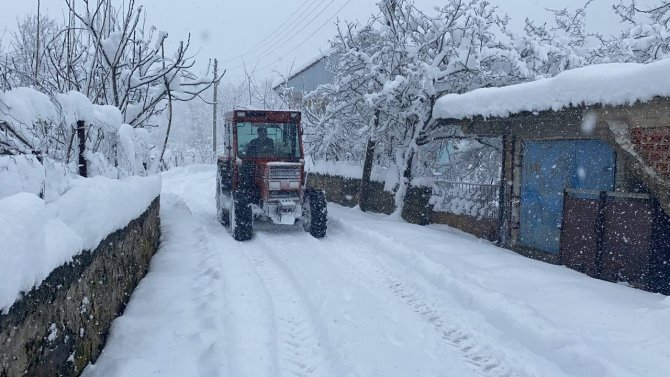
275	185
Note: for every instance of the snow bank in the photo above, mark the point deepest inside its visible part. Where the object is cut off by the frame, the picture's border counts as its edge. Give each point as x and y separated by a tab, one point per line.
607	84
38	237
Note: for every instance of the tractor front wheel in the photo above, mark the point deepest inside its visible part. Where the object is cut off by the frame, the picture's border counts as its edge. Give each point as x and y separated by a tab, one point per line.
241	217
315	213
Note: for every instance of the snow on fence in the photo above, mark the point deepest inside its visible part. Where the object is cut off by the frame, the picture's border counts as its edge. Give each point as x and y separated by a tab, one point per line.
34	122
175	159
43	177
38	236
462	198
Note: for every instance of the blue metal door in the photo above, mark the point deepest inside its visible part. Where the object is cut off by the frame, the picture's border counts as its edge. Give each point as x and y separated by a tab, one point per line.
549	167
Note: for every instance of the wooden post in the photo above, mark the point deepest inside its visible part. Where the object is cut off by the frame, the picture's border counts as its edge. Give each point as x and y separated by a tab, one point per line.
505	190
600	233
37	44
81	133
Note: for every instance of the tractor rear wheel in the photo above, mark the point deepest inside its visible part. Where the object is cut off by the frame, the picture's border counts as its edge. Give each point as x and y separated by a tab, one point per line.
315	213
241	217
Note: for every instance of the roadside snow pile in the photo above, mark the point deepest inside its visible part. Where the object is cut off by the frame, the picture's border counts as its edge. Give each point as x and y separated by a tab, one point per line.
607	84
38	237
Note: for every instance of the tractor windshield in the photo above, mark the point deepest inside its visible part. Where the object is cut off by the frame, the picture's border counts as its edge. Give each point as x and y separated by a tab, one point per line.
268	140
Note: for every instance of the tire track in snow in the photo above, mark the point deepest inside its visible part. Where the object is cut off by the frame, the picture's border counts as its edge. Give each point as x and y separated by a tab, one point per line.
548	358
302	348
482	357
207	283
250	312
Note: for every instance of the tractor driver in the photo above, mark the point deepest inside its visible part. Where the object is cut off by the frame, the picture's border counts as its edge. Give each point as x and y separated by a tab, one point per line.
262	145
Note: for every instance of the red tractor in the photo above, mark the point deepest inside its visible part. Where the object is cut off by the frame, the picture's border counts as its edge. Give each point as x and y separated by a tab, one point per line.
261	176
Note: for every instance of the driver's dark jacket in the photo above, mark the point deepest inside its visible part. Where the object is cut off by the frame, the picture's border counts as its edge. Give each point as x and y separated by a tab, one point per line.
260	147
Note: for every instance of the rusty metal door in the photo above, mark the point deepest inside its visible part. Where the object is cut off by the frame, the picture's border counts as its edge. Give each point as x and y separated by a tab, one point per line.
609	237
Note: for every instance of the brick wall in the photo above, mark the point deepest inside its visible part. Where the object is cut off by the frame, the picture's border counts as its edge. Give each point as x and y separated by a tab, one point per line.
653	144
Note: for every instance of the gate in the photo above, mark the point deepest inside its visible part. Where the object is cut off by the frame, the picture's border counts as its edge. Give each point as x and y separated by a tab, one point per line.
549	167
615	236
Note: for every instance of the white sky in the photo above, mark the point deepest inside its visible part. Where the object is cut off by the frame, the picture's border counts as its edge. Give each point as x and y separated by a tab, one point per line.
274	35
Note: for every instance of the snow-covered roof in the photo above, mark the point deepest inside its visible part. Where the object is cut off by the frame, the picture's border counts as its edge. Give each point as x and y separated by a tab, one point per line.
605	84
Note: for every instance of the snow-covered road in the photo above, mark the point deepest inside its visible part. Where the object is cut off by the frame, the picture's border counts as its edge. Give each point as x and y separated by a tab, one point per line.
376	297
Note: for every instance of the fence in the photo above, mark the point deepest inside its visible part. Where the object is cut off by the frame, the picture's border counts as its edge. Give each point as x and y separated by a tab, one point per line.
180	159
461	198
617	237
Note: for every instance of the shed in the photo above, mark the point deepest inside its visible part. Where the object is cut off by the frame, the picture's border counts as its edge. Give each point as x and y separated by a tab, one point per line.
586	167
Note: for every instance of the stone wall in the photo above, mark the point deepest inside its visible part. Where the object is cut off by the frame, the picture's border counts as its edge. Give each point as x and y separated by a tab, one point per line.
61	326
345	191
417	210
486	228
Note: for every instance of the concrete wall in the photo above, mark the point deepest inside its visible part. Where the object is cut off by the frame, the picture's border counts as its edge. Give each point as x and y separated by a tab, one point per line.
60	327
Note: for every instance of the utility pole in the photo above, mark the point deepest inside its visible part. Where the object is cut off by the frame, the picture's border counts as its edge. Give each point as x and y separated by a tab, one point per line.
37	44
214	106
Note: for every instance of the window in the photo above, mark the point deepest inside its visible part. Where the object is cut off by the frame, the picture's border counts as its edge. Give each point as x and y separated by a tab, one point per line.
284	136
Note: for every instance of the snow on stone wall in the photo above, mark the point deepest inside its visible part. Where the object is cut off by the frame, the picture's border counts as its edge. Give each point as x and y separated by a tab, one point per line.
62	325
39	236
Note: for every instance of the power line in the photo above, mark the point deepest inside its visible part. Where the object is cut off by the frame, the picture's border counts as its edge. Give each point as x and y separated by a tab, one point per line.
297	13
304	40
302	16
286	38
278	45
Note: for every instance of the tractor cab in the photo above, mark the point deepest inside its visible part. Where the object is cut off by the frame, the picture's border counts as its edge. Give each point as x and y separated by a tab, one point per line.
261	174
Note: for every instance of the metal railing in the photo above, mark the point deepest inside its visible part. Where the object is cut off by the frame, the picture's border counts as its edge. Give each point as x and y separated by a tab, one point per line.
464	198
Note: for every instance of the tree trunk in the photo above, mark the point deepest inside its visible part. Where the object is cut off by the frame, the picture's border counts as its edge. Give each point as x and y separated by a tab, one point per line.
363	195
169	125
405	181
364	190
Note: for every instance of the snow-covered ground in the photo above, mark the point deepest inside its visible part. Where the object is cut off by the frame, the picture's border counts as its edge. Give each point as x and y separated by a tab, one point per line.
376	297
